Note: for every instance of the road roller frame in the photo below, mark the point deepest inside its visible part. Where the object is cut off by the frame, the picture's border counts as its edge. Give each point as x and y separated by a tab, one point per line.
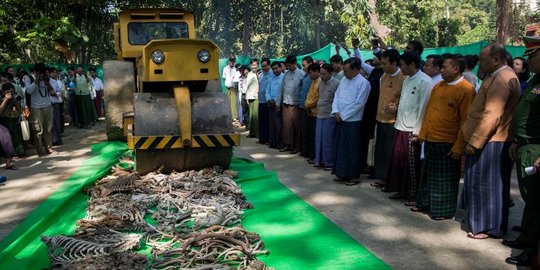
176	121
185	139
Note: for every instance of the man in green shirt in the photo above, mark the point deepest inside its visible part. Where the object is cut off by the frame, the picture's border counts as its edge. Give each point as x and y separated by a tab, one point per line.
85	107
526	152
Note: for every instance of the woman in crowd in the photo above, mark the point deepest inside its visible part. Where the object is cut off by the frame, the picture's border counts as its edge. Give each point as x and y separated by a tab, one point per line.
523	71
6	144
470	64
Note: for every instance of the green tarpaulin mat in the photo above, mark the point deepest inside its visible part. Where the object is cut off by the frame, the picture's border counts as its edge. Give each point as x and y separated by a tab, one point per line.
22	248
296	234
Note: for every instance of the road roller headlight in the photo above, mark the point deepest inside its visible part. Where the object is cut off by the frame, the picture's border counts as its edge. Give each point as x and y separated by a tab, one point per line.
204	56
158	57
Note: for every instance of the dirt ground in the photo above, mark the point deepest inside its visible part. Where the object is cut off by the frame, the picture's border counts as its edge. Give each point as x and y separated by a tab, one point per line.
38	177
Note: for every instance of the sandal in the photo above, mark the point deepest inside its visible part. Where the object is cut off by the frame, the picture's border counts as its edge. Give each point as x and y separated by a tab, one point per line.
410	203
417	209
478	236
12	167
377	185
352	183
440	218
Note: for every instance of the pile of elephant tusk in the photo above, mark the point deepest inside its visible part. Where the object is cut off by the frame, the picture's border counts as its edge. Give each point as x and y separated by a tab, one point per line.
188	220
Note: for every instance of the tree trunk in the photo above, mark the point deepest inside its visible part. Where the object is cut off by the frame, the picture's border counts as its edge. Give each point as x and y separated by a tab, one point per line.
317	6
502	21
380	30
246	35
27	52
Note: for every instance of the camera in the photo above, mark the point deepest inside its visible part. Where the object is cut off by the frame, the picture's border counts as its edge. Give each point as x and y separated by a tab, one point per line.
45	77
14	98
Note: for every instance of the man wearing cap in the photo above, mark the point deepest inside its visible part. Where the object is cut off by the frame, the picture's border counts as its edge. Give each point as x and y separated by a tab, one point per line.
228	75
525	151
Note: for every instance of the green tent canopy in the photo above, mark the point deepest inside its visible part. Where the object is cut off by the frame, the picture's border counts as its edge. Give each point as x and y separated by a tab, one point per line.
329	50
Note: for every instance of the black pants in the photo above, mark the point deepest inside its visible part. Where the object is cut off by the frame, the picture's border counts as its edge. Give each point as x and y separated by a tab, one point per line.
245	110
58	122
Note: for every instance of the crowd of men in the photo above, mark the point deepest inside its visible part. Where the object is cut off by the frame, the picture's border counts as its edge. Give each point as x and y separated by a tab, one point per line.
414	125
46	99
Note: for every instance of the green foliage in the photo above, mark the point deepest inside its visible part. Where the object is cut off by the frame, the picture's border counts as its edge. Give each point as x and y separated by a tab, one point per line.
81	31
437	23
355	16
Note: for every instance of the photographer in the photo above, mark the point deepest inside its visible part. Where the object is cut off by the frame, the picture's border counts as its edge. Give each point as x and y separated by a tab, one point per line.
9	116
6	144
41	111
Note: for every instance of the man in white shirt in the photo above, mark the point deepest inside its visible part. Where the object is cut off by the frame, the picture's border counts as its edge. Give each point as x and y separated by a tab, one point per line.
337	65
98	86
57	103
404	166
433	67
229	73
348	108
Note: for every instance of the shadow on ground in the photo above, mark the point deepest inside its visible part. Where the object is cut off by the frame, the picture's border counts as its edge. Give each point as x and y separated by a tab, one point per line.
400	237
38	177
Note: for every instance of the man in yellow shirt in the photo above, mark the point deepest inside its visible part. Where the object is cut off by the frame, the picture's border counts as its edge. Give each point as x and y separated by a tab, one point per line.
446	111
310	105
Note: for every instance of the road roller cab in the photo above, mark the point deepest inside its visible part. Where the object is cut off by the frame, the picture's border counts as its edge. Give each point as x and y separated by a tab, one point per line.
164	95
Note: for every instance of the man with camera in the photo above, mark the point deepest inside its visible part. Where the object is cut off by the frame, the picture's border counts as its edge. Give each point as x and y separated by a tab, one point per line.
9	117
41	111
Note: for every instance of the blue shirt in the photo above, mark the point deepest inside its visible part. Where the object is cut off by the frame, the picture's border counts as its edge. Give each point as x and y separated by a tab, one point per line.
291	86
263	81
306	83
273	89
350	98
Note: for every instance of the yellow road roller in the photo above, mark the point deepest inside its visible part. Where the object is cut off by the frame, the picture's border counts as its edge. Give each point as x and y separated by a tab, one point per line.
163	93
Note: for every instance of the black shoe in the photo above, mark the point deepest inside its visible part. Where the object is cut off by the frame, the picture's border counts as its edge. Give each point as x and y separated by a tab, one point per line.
513	244
396	196
522	259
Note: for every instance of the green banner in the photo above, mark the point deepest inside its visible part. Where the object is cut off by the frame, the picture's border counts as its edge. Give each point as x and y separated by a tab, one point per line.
329	50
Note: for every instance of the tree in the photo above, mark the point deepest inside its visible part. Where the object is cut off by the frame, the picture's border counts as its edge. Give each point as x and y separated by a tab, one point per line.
355	15
81	31
502	20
